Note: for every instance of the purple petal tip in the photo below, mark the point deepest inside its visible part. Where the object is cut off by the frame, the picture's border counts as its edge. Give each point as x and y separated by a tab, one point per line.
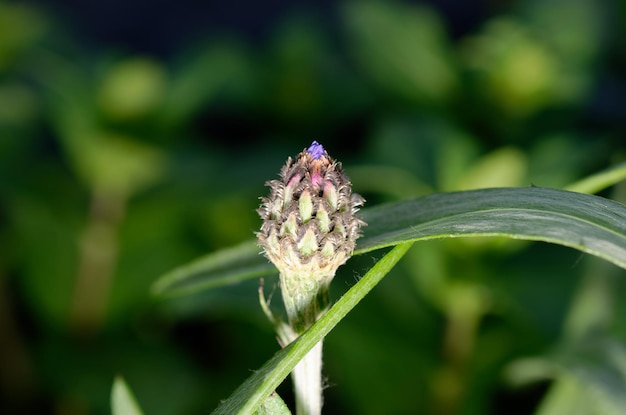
316	150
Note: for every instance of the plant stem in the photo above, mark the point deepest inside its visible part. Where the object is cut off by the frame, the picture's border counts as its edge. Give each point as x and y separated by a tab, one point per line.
97	260
307	382
307	374
305	304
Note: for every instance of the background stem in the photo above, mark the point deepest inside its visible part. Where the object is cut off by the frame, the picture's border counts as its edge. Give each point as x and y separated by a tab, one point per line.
98	256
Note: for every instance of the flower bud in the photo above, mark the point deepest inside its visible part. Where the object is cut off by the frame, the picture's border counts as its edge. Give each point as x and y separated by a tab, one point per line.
309	224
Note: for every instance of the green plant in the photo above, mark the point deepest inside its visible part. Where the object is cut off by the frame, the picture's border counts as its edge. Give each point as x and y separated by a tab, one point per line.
589	223
120	161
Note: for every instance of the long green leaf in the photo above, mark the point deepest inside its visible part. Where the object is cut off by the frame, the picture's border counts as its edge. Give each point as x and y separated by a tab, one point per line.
600	180
592	224
592	378
224	267
122	400
255	390
589	223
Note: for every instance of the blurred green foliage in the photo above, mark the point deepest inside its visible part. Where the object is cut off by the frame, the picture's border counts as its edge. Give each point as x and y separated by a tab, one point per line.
115	168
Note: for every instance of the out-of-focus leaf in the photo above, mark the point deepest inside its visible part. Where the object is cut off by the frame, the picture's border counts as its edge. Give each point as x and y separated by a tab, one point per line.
55	255
594	379
403	48
122	400
515	70
567	397
255	390
132	88
115	163
591	224
593	306
573	32
106	160
18	104
212	71
220	268
601	180
387	180
543	57
548	165
20	26
503	167
440	158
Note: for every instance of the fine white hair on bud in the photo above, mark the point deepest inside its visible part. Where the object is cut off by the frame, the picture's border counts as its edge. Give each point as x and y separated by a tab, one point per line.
309	215
309	225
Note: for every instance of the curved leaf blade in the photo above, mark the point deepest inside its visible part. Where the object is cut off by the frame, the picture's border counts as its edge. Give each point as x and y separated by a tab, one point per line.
227	266
592	224
254	391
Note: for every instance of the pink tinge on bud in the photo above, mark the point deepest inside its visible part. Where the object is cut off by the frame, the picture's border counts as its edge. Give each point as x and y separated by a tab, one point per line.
330	195
294	181
316	179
